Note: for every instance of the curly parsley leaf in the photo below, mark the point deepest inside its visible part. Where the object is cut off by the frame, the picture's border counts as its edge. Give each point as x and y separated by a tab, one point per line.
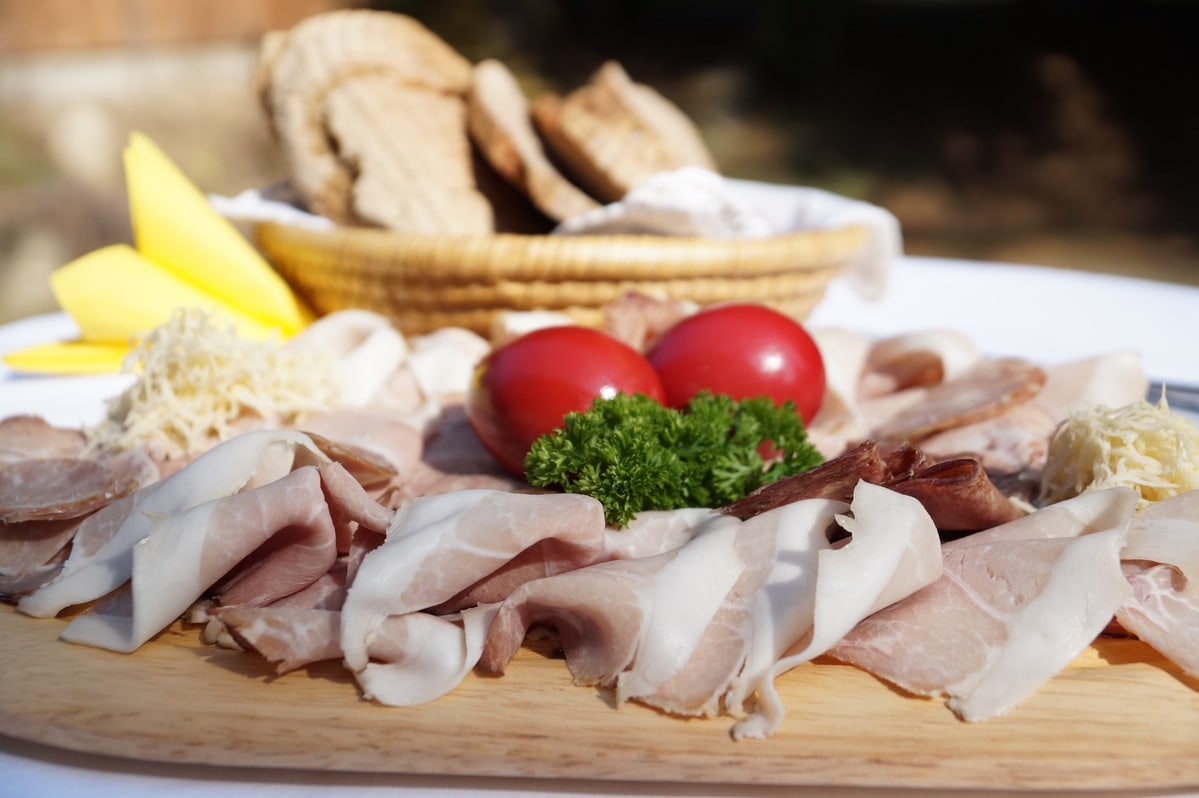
633	454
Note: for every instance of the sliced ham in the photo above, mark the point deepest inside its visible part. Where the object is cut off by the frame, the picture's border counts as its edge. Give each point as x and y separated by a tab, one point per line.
288	637
27	550
893	551
440	545
1162	566
284	524
1013	607
103	560
698	630
631	624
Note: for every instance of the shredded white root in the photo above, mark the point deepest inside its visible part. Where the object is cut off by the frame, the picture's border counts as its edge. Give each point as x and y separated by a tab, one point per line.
195	379
1141	446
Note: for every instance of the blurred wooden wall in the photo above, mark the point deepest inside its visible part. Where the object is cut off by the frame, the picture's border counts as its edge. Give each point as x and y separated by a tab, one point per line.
31	26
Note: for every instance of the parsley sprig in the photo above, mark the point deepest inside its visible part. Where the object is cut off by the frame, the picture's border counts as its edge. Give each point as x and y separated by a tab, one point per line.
634	454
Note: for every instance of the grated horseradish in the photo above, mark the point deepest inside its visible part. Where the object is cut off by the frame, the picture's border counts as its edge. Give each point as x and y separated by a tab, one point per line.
1142	446
195	379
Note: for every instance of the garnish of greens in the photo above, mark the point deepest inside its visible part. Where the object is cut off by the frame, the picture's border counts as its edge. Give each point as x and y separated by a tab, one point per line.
633	454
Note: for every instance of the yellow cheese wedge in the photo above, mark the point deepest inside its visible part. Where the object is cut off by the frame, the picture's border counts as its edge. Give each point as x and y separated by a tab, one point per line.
115	293
68	357
175	227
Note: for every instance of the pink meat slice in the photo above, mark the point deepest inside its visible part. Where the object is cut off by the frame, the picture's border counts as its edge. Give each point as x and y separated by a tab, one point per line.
599	638
40	490
1162	566
986	390
27	437
438	546
1163	611
26	548
1004	618
288	637
266	542
298	541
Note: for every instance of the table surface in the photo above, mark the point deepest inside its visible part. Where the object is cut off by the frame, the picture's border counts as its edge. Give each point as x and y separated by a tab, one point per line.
1047	314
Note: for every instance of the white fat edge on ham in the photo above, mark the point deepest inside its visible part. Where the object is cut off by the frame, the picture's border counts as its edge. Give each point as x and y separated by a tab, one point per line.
365	345
652	532
644	625
1085	588
684	597
1162	566
420	657
1081	515
246	461
1056	581
1167	532
443	362
893	551
188	552
1114	380
839	419
785	606
440	545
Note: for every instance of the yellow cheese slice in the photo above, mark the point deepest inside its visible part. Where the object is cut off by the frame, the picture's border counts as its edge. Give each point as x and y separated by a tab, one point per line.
68	357
115	293
175	226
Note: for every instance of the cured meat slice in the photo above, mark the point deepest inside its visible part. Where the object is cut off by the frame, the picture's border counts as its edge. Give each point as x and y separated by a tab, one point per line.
285	524
986	390
104	561
917	359
440	545
69	487
1007	614
893	551
700	629
27	549
649	624
32	437
1162	566
959	496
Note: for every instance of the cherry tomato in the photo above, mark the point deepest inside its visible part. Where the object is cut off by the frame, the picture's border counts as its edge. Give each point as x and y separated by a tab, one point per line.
742	350
523	389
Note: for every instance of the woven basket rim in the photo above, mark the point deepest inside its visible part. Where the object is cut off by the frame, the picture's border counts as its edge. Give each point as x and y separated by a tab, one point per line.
516	256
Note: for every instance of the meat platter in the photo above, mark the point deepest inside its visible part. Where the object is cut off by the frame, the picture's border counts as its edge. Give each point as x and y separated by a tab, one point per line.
1119	717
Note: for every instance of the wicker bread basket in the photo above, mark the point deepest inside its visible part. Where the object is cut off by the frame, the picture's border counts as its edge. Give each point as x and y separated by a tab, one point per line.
423	282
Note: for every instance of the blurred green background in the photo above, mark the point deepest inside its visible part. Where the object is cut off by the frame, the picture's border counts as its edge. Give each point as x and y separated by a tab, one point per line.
1058	133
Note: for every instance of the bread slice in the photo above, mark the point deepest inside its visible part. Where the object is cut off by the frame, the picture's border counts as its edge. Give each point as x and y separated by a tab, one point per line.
500	126
613	134
299	70
409	150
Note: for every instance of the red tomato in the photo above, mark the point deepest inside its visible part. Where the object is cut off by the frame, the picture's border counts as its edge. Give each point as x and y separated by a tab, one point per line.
744	351
523	389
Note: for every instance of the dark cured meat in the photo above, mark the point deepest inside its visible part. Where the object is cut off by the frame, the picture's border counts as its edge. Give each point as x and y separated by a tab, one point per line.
958	494
832	479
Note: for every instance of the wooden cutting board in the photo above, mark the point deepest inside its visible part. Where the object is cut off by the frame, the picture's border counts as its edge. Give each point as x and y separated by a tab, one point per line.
1119	717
